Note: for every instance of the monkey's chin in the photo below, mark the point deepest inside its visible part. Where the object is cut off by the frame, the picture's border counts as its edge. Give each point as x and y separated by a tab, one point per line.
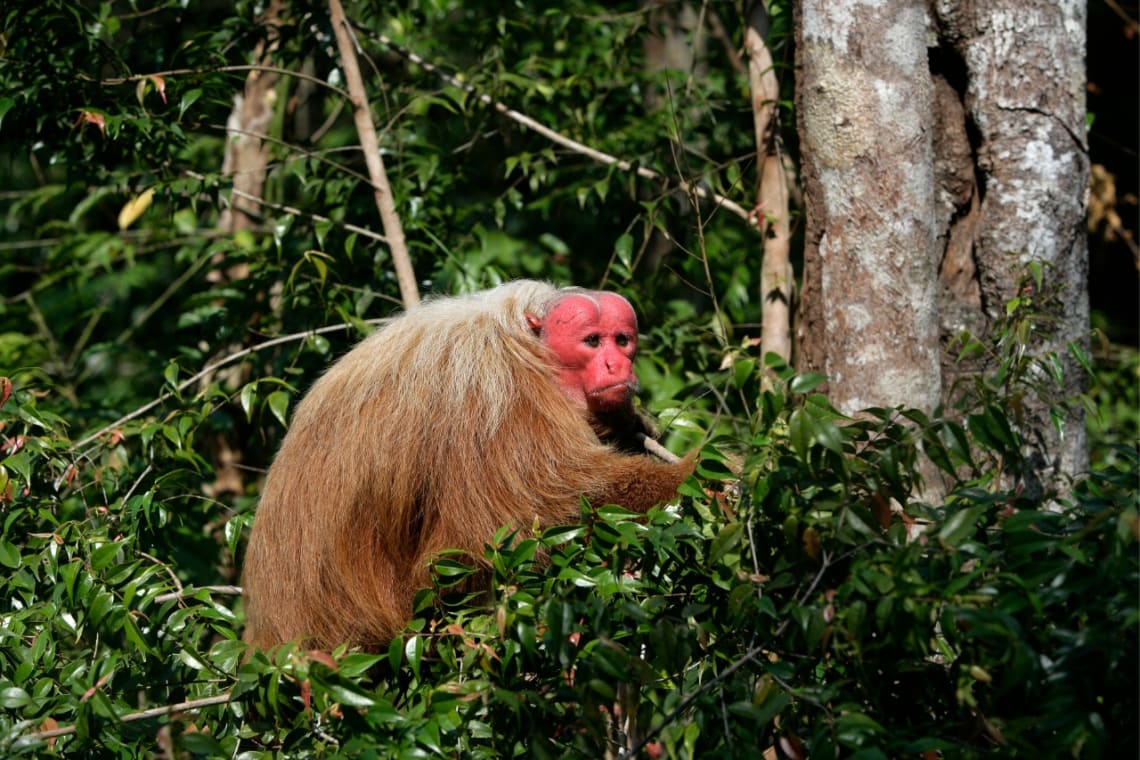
611	398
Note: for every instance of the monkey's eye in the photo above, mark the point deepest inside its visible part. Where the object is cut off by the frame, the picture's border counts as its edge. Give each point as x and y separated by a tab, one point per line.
593	340
623	340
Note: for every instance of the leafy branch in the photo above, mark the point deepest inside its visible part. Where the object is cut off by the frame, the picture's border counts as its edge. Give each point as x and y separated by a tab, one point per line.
153	712
209	370
698	190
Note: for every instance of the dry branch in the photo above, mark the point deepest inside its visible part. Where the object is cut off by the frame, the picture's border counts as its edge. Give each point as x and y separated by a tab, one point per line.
772	190
362	115
657	450
154	712
603	158
292	211
213	367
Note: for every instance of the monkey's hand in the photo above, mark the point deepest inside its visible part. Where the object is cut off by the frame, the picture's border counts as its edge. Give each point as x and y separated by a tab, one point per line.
624	429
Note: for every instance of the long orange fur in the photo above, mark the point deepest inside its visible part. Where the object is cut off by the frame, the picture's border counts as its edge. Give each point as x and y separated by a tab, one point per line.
432	433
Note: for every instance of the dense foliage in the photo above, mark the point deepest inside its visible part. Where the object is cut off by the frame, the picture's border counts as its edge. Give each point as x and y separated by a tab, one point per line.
825	586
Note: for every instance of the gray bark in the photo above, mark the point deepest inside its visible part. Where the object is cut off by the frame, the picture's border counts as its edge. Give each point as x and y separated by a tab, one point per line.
943	152
1012	79
870	292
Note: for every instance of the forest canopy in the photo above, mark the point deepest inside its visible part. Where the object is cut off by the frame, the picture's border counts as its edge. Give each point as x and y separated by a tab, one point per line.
206	204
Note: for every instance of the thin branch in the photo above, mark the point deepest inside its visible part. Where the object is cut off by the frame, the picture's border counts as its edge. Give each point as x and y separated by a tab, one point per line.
156	305
296	211
730	50
154	712
182	593
566	142
382	190
1130	24
135	486
748	657
656	449
208	370
199	72
296	151
165	567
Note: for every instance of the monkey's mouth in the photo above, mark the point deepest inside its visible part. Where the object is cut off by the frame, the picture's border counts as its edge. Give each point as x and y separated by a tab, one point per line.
617	394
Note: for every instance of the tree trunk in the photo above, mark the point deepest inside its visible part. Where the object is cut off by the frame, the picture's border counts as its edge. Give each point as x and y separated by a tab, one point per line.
776	278
870	314
246	161
247	154
1013	173
933	180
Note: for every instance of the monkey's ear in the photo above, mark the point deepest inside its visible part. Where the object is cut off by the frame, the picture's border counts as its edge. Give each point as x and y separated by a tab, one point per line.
534	322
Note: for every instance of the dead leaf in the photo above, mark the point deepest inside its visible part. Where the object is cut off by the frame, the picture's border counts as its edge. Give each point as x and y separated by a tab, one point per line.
134	208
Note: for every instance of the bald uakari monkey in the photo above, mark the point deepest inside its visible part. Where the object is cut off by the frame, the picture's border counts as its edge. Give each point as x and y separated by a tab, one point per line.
503	407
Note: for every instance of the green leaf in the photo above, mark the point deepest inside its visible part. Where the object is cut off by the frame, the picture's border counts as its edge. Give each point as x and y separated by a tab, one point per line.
201	744
623	248
279	405
743	371
13	698
446	568
992	428
170	374
100	606
960	525
560	534
247	399
727	539
353	697
1078	352
9	555
806	383
413	653
799	428
189	98
105	555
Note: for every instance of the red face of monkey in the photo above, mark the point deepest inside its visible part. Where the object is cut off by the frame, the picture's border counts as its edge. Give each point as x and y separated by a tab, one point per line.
595	339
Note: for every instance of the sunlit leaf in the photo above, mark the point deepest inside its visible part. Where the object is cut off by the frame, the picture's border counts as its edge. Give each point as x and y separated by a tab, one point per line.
134	208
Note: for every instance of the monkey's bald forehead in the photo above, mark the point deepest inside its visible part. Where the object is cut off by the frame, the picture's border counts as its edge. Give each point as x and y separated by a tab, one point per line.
597	299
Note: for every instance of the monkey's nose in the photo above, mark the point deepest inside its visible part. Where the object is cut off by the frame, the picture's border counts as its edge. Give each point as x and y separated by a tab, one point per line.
618	365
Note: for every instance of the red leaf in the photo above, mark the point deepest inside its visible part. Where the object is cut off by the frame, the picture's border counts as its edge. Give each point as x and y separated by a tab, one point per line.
91	117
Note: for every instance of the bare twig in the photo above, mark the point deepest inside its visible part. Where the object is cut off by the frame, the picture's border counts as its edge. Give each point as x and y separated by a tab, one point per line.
296	211
208	370
165	567
154	712
657	450
748	657
730	50
362	115
1129	23
134	487
296	152
174	287
560	139
198	72
182	593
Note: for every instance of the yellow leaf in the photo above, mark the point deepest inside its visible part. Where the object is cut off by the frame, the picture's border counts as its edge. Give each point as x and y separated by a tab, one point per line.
134	208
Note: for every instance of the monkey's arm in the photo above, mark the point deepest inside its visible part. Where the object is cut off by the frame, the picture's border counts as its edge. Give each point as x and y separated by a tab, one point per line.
640	482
